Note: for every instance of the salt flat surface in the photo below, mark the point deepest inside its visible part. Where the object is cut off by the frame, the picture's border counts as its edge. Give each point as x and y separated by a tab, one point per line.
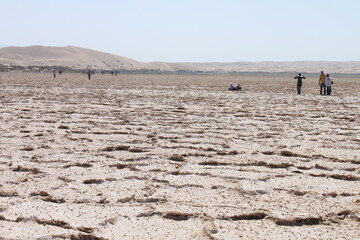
178	157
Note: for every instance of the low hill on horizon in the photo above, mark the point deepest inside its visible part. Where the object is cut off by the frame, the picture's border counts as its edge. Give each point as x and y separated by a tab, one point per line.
82	58
69	56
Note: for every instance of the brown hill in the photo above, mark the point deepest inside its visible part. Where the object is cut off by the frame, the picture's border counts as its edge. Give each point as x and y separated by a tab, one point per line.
69	56
79	58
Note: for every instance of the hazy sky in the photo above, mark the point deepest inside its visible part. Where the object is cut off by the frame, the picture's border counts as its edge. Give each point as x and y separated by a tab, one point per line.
190	30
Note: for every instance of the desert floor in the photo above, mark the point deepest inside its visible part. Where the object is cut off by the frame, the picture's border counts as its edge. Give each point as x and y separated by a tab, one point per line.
178	157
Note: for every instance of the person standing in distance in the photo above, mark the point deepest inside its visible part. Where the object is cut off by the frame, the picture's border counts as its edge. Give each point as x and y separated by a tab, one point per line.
328	83
299	78
89	74
322	83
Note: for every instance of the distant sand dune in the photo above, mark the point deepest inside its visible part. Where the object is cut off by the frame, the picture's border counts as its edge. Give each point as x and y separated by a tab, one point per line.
80	58
70	56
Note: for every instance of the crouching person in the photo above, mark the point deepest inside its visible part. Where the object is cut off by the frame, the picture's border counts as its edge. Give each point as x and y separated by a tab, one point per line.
234	87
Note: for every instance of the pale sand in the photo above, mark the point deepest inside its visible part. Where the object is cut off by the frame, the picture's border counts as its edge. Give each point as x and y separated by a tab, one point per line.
178	157
80	58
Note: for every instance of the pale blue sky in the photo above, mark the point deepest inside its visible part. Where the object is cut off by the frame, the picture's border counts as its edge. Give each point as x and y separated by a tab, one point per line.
190	30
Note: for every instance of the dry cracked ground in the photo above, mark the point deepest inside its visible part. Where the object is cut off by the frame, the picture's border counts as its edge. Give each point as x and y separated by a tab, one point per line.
178	157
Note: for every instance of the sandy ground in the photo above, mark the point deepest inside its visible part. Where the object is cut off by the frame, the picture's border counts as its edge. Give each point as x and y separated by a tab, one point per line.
178	157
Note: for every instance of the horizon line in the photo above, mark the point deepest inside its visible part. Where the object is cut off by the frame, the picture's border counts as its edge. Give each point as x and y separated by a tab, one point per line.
164	61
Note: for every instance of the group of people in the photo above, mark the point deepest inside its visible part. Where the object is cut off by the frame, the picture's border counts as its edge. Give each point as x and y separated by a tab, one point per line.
325	82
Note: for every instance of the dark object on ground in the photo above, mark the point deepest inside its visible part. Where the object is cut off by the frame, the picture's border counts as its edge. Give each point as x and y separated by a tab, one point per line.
234	88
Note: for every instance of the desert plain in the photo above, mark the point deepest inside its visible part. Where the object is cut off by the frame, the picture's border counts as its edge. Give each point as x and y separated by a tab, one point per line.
178	157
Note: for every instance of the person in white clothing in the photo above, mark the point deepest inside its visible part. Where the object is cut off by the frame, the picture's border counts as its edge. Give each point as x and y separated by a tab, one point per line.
328	83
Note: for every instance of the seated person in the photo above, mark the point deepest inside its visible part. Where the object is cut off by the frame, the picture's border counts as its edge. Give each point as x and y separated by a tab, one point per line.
234	87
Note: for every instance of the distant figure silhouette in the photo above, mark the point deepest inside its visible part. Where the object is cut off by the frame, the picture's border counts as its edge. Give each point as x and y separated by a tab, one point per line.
89	74
299	78
322	83
54	72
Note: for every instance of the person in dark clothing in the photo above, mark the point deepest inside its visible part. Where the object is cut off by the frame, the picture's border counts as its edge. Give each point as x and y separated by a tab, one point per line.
89	74
54	73
299	78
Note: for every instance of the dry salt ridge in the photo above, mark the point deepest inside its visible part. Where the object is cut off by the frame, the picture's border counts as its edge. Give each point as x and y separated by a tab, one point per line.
178	157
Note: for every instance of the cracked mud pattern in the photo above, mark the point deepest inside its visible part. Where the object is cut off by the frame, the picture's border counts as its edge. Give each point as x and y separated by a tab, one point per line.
178	157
